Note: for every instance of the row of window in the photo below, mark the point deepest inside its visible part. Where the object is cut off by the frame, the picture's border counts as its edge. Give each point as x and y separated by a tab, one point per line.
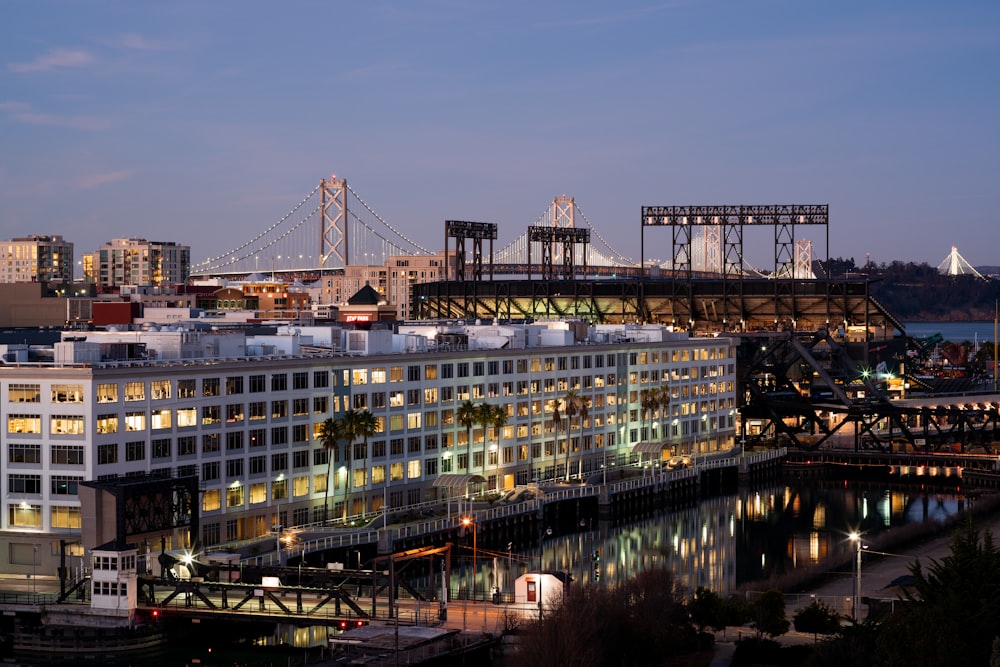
26	515
59	485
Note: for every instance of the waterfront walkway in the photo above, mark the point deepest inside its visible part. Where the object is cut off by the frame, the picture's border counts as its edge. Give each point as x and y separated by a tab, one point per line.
878	572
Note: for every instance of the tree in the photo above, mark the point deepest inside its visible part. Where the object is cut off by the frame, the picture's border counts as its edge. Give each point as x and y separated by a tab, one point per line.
467	415
706	610
817	618
957	597
331	431
498	419
571	401
557	418
484	415
768	614
362	424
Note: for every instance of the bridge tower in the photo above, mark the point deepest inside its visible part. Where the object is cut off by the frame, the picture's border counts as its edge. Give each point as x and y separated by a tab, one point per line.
563	211
333	238
803	259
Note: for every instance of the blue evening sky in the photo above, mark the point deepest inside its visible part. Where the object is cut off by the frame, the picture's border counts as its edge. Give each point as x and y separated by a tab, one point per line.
203	122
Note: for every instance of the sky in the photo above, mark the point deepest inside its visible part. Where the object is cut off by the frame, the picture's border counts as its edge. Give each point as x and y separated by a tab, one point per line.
203	123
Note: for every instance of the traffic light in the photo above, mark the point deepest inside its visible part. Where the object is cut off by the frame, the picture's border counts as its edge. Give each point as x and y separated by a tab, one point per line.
595	559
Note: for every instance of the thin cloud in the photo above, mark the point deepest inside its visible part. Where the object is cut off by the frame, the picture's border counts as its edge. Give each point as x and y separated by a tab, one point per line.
14	107
136	42
91	181
88	123
55	59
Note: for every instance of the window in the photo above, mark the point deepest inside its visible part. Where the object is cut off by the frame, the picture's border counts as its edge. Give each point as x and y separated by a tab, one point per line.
159	389
186	445
234	468
22	515
64	485
300	459
107	454
135	451
279	382
68	455
258	492
300	406
300	380
67	393
135	421
321	379
234	497
26	393
279	489
279	409
210	470
211	414
234	440
478	368
430	372
30	484
107	423
210	443
300	486
187	417
65	425
234	412
186	389
463	369
66	517
257	410
24	453
279	462
211	500
279	435
210	387
300	433
234	385
161	448
161	419
413	373
320	404
24	424
258	465
107	393
396	374
135	391
258	437
258	384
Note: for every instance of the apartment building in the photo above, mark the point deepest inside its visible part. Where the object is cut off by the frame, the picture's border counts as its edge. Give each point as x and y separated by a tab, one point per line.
138	262
244	414
36	259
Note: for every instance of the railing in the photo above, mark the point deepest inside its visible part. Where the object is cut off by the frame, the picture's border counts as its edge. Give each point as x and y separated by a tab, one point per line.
345	537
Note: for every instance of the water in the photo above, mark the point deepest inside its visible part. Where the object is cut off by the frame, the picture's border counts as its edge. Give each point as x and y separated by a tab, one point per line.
956	332
725	542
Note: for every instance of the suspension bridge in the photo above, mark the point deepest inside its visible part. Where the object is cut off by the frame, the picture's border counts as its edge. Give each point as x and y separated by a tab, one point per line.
333	227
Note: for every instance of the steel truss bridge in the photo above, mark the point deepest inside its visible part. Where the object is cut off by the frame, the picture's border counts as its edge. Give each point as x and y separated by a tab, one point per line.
779	370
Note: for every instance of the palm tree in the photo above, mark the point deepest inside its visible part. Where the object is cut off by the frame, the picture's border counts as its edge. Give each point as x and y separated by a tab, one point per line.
361	424
484	416
557	417
664	404
583	410
649	399
467	415
572	402
497	419
331	431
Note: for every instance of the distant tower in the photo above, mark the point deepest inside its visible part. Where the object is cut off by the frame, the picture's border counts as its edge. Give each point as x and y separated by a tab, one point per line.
803	260
563	212
333	240
955	265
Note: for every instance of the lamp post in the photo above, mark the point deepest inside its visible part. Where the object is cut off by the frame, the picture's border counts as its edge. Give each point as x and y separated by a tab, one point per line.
469	521
856	538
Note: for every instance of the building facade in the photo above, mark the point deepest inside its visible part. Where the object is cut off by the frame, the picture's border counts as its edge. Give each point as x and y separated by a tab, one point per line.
36	259
139	262
245	413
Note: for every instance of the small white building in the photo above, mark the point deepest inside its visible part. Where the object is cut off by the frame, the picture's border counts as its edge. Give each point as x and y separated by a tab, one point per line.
114	582
541	589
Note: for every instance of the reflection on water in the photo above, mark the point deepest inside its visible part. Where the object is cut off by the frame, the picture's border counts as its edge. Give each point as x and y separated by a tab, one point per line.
727	541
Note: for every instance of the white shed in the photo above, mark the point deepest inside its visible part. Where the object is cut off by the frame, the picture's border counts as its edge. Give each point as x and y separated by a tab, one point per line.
544	589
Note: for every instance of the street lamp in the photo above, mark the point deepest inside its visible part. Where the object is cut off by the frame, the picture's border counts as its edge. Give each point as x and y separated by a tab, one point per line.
469	521
856	538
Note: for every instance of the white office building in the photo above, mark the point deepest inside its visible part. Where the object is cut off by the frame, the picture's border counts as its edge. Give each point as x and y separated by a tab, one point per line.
243	413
